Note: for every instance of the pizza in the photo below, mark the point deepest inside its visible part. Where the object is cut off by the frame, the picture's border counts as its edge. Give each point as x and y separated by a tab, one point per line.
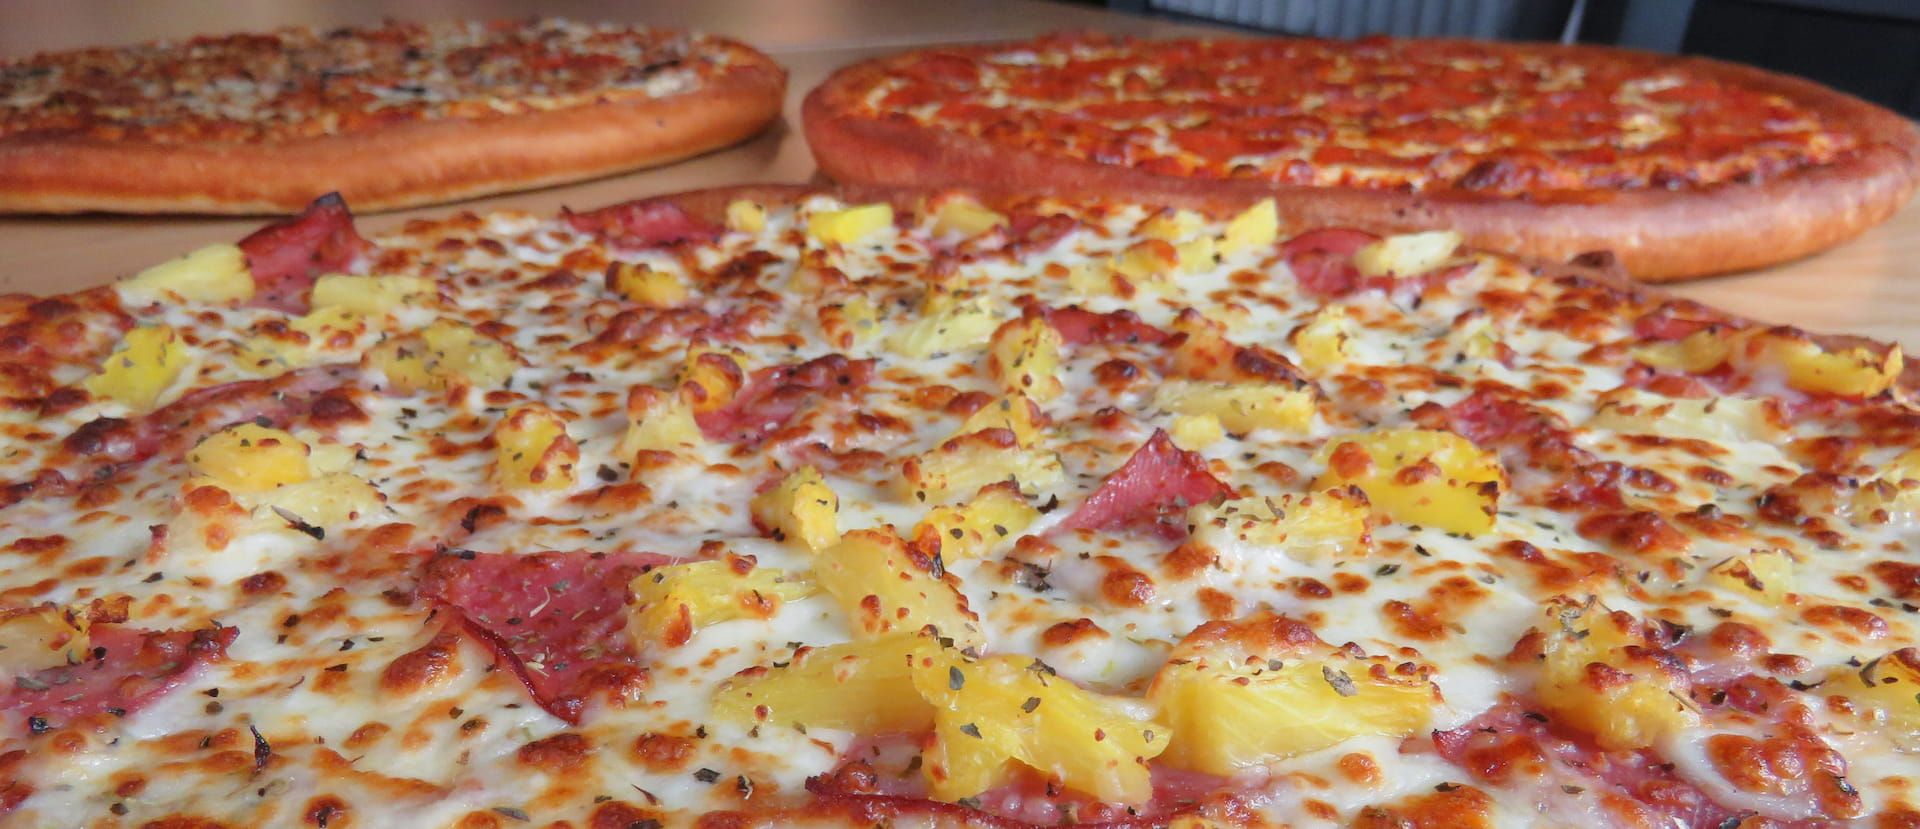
1673	164
839	507
390	116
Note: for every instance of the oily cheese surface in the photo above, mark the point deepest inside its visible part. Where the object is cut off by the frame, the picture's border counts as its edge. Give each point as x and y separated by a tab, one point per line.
775	506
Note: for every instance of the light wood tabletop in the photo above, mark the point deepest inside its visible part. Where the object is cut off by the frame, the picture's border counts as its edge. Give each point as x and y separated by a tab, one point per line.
1868	286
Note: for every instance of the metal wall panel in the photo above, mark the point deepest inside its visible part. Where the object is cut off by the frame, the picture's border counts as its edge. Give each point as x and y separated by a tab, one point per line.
1353	18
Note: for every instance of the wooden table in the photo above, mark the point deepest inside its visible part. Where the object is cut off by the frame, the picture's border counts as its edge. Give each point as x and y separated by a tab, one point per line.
1862	287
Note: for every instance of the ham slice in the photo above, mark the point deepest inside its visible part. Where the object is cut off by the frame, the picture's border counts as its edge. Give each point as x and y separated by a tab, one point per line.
1079	326
128	669
1510	741
287	256
102	445
557	620
1322	260
772	396
1150	492
642	224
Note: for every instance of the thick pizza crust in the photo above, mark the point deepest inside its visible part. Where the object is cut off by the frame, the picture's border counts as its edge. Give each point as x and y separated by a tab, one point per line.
412	164
1657	235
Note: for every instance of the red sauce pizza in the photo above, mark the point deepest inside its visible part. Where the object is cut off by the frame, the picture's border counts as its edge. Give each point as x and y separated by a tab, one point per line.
390	115
1674	164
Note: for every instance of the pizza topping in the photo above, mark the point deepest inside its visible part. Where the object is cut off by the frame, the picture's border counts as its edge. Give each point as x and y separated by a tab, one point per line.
641	224
1244	693
556	619
123	670
1150	492
1422	477
287	256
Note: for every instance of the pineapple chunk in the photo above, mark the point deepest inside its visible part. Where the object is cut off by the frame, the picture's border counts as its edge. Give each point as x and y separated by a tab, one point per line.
850	322
324	501
1892	498
1717	419
462	354
884	591
1196	431
864	687
368	294
745	216
1698	352
1198	254
1322	526
801	509
1885	693
1014	412
995	712
1086	279
250	458
1408	254
138	374
1765	576
659	421
215	273
1256	227
851	225
676	600
962	465
1244	693
1241	407
710	377
444	355
36	638
646	286
1322	342
1417	476
976	528
1601	674
532	450
1173	225
1848	372
1149	260
1026	358
961	216
947	322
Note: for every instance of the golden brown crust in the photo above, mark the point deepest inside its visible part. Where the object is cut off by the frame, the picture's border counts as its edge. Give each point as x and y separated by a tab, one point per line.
412	164
1659	235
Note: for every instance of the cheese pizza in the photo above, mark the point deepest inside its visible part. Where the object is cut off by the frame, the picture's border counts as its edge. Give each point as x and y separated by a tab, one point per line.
391	115
778	506
1674	164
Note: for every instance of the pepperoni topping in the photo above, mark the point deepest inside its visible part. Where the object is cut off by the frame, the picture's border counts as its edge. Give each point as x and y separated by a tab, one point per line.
772	396
128	669
1150	492
643	224
558	620
287	256
1399	115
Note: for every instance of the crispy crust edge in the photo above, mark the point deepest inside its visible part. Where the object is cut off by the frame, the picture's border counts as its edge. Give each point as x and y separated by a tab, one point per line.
1657	235
1602	270
414	164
